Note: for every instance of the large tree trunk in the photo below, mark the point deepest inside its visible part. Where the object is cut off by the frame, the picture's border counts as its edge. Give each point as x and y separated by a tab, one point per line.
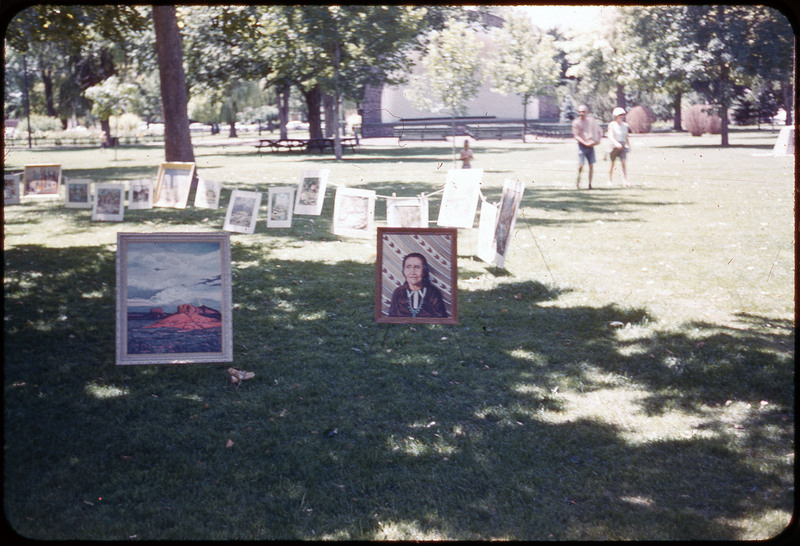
313	100
330	119
677	118
174	95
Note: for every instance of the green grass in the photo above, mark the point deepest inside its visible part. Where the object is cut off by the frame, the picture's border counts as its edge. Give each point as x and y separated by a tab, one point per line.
534	418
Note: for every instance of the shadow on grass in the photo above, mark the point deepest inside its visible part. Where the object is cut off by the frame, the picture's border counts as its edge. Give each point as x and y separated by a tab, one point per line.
413	441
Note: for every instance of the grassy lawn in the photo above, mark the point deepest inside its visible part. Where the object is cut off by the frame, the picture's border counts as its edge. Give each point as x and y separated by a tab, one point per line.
538	417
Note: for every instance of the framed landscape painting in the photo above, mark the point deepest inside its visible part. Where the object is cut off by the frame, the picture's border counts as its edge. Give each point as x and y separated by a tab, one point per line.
354	212
311	192
78	193
460	198
407	211
173	185
173	298
42	180
11	188
242	211
416	276
109	202
140	194
280	202
207	194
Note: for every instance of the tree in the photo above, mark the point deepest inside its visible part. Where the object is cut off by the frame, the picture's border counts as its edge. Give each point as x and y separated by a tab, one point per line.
526	62
174	95
661	51
111	97
452	70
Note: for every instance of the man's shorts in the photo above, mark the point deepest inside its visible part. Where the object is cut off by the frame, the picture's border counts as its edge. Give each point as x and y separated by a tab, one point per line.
585	154
621	153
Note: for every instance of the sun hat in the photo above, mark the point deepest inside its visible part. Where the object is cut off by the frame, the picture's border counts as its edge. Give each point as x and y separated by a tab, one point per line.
619	111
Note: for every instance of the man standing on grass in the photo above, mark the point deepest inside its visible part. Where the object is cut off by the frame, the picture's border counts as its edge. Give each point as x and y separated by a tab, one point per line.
587	132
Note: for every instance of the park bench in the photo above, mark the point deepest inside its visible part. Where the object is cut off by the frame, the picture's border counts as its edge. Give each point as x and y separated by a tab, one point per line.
495	131
423	132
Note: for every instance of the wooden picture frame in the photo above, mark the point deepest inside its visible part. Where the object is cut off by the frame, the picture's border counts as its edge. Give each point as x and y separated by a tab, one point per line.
108	204
173	185
11	193
207	194
140	194
242	213
428	253
354	212
408	212
78	193
460	198
42	181
280	206
311	192
173	298
507	218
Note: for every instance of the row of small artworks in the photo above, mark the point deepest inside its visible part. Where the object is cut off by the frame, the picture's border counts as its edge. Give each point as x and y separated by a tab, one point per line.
354	209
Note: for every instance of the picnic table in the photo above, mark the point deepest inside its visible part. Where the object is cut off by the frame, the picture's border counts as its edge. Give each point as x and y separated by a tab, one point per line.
304	144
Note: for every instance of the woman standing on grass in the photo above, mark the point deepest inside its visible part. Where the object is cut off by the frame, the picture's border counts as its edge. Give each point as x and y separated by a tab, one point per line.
620	143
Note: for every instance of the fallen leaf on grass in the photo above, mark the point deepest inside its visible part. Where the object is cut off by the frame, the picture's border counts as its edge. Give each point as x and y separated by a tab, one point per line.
229	443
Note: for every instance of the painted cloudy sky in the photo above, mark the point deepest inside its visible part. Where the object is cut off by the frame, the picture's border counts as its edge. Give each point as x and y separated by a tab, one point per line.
168	274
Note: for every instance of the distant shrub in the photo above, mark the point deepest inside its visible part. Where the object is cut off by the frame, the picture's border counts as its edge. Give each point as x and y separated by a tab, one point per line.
640	119
41	124
697	120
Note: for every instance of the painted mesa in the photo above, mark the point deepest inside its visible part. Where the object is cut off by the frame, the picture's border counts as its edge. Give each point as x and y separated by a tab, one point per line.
190	329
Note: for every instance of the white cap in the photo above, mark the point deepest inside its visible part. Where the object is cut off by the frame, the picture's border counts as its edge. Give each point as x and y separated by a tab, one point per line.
619	111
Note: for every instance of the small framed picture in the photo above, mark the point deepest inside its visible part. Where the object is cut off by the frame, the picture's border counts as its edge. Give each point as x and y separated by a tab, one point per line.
242	211
354	212
42	181
416	276
460	198
11	188
140	194
78	193
207	194
506	218
109	202
311	192
173	185
280	202
407	211
173	298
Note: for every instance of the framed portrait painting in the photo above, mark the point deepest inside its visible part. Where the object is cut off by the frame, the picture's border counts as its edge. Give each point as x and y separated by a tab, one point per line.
78	193
460	198
242	211
109	202
140	194
42	181
11	188
416	276
407	211
207	194
173	298
354	212
280	202
311	192
173	185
